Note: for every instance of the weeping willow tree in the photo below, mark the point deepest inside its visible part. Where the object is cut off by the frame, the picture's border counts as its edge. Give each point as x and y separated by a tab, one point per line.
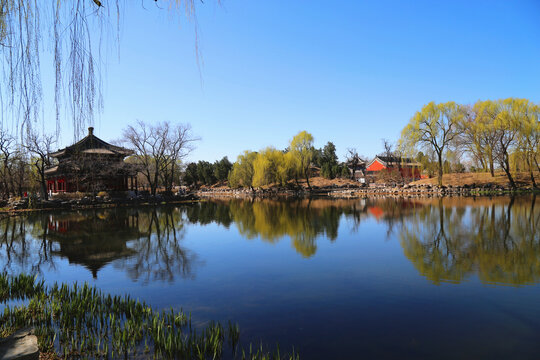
76	33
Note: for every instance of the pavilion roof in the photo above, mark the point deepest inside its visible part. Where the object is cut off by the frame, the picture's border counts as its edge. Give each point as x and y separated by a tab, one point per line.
91	144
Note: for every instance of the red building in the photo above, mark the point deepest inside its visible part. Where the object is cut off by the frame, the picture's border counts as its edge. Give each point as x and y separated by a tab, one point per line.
408	168
91	165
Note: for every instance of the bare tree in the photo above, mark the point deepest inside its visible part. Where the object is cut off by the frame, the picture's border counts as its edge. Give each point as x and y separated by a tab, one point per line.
388	148
19	173
179	145
158	149
353	160
7	149
40	146
394	158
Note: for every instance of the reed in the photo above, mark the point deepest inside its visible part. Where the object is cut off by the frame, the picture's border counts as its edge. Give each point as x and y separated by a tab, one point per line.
79	321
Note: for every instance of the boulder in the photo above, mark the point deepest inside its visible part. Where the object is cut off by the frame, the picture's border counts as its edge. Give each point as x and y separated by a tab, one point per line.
22	345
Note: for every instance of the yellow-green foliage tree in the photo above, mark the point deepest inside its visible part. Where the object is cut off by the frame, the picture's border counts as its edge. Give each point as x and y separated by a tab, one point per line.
507	126
477	133
433	128
291	164
503	132
301	148
270	167
528	142
274	167
242	171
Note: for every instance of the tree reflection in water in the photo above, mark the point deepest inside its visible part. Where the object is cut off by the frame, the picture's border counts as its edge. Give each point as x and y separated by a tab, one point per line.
158	253
497	239
271	220
301	220
446	239
146	244
17	253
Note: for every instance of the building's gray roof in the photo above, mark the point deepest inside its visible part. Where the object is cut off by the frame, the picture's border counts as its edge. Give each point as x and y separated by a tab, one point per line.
91	144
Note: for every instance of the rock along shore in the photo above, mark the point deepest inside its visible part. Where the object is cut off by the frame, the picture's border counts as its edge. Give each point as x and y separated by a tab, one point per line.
22	345
15	206
360	192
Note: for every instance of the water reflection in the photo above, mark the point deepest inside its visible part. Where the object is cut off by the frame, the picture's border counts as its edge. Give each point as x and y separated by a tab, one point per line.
24	248
92	240
498	240
144	244
447	240
159	253
302	221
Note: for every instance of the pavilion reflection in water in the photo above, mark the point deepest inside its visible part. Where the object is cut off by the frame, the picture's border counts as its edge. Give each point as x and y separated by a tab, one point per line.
94	240
146	244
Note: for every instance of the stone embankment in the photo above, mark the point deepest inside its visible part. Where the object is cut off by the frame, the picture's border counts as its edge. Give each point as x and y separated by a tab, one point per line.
427	190
374	190
243	193
87	202
344	191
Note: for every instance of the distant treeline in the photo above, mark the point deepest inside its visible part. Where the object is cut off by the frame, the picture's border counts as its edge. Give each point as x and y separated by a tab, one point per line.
270	166
206	173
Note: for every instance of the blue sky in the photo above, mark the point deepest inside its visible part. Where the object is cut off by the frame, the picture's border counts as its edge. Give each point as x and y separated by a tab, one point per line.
350	72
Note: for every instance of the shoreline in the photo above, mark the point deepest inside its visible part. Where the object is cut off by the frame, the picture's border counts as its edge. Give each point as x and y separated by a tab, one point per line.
363	192
74	205
406	191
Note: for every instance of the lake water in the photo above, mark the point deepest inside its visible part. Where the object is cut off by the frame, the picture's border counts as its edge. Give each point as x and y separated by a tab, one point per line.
351	279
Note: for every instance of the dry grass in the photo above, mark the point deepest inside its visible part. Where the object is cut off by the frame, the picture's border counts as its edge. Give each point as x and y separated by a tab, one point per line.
315	181
521	179
322	182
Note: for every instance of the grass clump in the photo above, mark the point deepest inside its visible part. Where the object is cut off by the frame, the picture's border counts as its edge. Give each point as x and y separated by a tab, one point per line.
79	321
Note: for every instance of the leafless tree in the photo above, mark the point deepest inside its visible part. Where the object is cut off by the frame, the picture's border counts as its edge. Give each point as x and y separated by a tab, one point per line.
353	160
395	159
160	254
14	166
40	146
20	176
388	148
7	150
179	144
158	149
